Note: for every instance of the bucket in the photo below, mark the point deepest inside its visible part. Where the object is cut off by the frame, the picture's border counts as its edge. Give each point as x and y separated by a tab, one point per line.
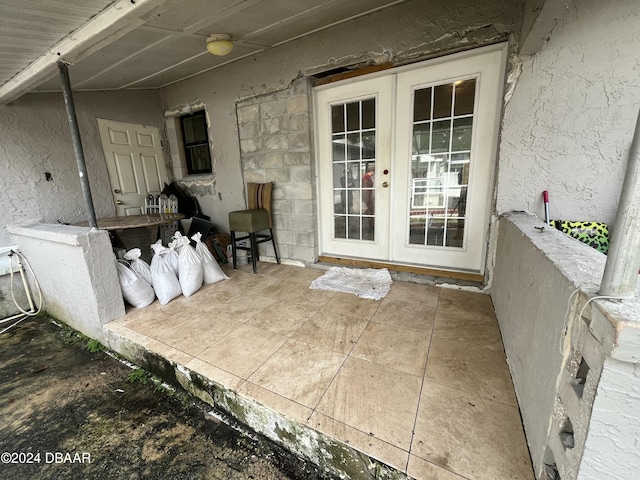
242	257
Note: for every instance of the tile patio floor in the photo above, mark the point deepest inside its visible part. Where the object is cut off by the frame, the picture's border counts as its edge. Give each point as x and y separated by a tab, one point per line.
417	380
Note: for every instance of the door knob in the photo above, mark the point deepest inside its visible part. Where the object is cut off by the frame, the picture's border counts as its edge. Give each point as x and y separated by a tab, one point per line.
385	184
118	202
117	190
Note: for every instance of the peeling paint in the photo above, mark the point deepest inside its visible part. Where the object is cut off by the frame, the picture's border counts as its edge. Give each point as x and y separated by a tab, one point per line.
515	70
184	108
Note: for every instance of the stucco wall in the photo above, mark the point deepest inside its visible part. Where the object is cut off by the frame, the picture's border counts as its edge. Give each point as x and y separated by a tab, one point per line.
35	138
76	271
611	452
410	31
569	124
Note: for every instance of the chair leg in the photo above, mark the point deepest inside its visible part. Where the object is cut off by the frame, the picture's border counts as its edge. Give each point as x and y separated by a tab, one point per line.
273	241
254	250
233	248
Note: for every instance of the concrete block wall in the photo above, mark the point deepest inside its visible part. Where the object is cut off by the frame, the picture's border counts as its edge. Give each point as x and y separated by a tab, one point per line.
275	146
589	340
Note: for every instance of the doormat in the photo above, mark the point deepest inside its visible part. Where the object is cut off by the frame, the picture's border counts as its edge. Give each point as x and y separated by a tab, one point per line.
365	283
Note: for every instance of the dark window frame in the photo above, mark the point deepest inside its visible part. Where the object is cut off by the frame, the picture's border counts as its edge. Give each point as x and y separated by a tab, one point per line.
188	147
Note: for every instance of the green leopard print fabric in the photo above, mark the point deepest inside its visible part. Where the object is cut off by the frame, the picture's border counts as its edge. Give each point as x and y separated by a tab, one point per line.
594	234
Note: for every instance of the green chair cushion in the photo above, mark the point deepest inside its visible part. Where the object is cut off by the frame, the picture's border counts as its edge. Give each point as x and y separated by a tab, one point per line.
249	220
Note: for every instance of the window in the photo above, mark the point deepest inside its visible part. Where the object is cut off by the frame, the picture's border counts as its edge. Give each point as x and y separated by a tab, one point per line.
195	138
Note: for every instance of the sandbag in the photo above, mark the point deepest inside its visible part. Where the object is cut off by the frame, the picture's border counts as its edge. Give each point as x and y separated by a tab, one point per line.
178	242
138	265
165	282
169	253
212	271
135	289
190	268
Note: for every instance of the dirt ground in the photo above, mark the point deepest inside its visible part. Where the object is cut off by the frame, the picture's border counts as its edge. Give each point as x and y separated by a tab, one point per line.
69	413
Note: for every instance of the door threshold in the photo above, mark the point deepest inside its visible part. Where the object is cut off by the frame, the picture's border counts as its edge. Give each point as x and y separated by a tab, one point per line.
398	267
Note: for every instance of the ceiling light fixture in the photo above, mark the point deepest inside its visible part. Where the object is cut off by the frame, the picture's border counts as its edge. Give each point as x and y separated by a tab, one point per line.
219	44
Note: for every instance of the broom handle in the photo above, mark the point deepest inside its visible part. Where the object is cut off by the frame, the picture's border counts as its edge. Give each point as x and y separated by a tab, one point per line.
545	196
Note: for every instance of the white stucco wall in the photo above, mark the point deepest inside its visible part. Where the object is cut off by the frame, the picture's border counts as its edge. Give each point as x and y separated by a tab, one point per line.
409	31
611	452
569	124
76	271
35	138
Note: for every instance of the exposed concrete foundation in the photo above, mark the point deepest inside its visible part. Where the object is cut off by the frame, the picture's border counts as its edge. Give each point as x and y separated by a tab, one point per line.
334	457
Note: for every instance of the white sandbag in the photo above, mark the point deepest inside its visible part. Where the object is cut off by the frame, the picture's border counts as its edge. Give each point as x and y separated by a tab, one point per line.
138	265
212	271
178	242
170	255
135	289
191	270
165	281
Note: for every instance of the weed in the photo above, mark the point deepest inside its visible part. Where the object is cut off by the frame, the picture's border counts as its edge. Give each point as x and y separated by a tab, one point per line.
94	346
139	375
184	398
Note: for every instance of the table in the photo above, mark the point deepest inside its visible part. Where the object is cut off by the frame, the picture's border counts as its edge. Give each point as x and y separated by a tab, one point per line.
135	221
135	231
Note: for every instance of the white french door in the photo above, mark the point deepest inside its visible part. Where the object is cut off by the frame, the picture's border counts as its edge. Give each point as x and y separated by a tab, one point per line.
354	130
405	162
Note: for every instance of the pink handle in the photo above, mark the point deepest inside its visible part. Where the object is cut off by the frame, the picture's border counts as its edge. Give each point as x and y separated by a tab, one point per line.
545	195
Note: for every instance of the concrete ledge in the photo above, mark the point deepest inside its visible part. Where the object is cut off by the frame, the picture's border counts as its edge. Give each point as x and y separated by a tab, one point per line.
56	233
567	350
334	457
75	269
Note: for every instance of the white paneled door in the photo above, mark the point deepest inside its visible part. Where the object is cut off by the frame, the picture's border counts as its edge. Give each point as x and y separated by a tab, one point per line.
135	163
405	162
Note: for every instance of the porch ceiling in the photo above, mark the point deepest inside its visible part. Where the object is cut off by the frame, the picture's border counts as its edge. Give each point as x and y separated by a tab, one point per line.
147	44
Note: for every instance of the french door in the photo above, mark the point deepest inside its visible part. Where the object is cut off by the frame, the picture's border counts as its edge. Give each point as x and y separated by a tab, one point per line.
405	162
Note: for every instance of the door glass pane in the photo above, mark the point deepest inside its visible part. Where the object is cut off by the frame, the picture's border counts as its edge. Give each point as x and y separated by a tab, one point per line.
421	138
354	148
354	160
461	137
440	162
353	116
339	146
337	118
340	226
369	113
422	105
440	136
465	97
369	145
442	96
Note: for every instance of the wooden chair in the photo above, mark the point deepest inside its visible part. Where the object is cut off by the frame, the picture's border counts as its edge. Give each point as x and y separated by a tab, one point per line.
257	218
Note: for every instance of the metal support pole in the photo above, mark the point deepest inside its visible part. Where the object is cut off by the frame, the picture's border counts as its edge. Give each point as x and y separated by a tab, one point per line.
77	144
623	260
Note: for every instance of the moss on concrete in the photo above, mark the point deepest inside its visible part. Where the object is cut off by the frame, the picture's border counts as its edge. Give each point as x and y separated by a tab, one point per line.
337	459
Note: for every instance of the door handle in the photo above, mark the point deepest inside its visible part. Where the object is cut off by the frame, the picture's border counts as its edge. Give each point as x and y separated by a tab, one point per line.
118	202
385	184
117	190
